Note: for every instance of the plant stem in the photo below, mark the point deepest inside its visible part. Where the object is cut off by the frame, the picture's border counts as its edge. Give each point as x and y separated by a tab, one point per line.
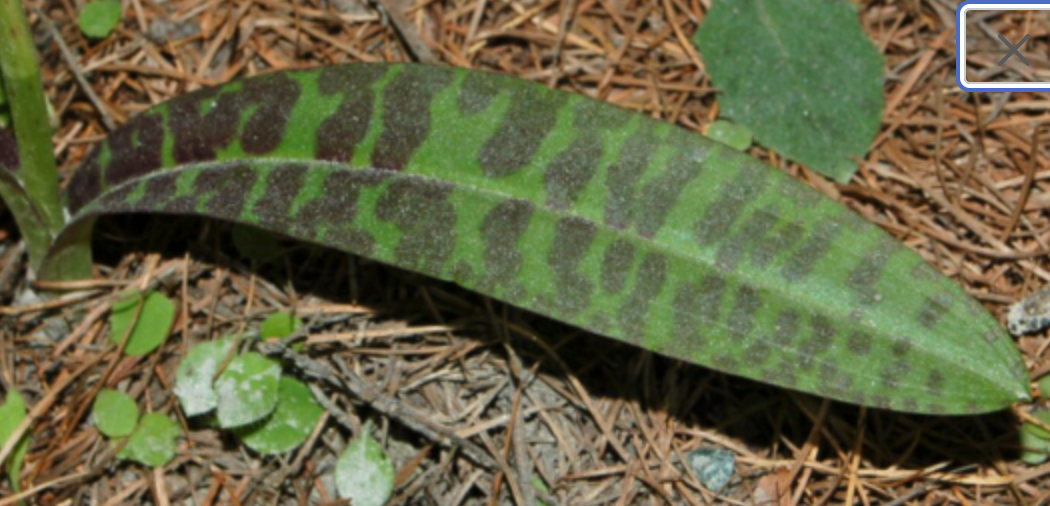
36	205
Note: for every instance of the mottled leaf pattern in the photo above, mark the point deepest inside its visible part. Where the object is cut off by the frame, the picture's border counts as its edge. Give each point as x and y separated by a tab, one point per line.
593	215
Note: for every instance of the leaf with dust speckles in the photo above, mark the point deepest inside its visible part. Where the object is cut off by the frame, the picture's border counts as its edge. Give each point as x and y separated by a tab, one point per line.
364	473
247	390
574	209
153	442
290	424
196	374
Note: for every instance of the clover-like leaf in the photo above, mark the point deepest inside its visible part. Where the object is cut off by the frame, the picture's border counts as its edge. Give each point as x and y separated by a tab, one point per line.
99	18
153	442
115	413
364	473
12	413
195	377
732	134
802	75
151	328
247	390
280	324
290	424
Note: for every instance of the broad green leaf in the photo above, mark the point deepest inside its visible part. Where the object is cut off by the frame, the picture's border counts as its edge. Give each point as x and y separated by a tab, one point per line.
247	390
255	244
151	328
280	324
731	134
364	473
801	74
596	216
153	442
196	374
290	424
115	413
99	18
12	413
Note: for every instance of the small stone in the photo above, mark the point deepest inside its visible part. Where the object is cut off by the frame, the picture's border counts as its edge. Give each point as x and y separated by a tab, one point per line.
713	466
1031	314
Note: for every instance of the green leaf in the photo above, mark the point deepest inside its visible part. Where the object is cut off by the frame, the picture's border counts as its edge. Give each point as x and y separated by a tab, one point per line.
12	413
584	212
247	390
255	244
1044	386
153	442
1043	415
115	413
364	473
280	324
801	74
1035	447
151	328
290	424
99	18
734	135
196	374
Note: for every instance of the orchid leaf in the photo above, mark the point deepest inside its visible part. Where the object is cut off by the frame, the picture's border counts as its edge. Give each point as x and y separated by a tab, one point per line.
590	214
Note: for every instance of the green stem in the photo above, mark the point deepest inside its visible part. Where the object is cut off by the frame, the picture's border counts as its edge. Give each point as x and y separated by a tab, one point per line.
35	202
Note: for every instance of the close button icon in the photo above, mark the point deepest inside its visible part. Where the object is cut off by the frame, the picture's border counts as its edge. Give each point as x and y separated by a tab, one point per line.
1013	50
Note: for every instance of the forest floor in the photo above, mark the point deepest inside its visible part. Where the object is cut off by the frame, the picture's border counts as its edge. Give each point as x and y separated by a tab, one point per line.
559	415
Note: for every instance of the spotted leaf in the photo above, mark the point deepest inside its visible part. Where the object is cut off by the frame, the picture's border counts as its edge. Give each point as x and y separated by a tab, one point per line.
598	217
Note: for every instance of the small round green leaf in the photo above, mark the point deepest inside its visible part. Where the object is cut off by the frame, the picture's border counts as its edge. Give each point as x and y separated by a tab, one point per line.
153	442
291	422
99	18
151	328
279	324
247	390
734	135
364	473
12	412
115	413
195	376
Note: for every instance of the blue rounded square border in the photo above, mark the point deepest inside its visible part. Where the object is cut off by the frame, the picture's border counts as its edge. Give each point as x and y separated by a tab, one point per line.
960	56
